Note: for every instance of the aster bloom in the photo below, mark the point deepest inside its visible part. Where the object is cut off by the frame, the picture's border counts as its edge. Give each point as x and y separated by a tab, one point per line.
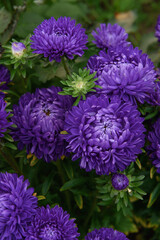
55	39
39	118
4	79
125	72
157	33
119	181
105	234
105	135
154	147
52	224
18	49
17	205
4	124
110	36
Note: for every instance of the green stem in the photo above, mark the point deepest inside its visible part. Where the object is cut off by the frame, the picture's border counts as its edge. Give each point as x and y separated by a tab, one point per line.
10	160
61	173
91	210
65	66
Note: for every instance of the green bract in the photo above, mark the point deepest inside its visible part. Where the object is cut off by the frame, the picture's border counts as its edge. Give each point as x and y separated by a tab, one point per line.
107	193
19	59
78	85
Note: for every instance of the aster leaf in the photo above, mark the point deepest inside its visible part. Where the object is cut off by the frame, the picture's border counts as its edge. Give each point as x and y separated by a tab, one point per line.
79	201
41	197
154	195
10	145
73	183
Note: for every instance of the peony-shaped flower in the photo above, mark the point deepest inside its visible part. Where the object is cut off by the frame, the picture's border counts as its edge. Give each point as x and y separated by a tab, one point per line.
52	224
126	72
110	36
105	234
104	134
157	33
39	118
55	39
4	124
120	181
17	205
4	79
154	147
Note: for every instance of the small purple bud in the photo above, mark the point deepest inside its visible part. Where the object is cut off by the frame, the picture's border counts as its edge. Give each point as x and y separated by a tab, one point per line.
18	49
120	181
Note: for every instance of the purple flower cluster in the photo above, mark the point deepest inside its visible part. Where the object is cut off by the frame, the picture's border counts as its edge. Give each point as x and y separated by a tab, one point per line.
52	224
4	79
110	36
154	148
55	39
120	181
104	134
39	118
17	205
157	33
124	71
105	234
4	124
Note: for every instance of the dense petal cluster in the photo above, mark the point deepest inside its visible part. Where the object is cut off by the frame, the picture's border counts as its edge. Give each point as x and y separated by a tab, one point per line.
120	181
4	124
52	224
109	36
105	234
154	148
157	33
124	71
17	205
4	79
39	118
105	135
55	39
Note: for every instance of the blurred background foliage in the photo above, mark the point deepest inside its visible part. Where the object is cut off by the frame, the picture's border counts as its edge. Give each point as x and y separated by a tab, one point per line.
70	187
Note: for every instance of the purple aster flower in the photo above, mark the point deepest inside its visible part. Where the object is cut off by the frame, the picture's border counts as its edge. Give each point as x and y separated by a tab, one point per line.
55	39
154	98
40	119
154	148
105	234
105	135
110	36
4	79
17	205
52	224
125	72
119	181
18	49
4	124
157	33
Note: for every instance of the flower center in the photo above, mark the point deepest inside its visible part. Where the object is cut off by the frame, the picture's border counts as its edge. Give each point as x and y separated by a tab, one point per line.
47	112
50	233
